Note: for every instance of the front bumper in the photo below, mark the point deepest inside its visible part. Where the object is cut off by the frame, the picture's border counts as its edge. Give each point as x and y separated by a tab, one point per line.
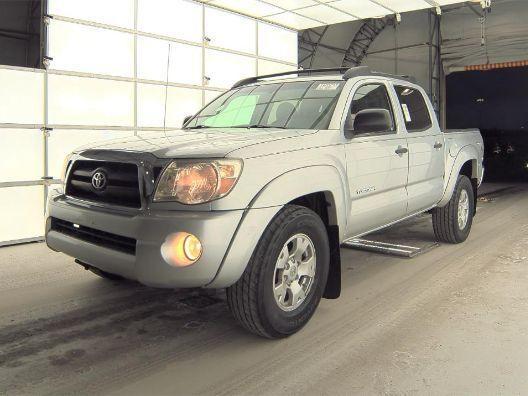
214	229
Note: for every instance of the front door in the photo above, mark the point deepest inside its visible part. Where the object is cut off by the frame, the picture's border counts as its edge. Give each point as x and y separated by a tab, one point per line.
426	150
377	163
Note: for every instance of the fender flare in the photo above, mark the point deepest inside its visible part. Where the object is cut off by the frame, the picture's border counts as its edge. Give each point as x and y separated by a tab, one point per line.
465	154
304	181
266	204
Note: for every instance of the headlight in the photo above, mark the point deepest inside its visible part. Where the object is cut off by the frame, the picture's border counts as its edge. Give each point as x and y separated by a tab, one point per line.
198	181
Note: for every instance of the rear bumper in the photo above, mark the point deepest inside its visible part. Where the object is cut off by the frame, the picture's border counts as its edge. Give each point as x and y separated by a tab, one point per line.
214	229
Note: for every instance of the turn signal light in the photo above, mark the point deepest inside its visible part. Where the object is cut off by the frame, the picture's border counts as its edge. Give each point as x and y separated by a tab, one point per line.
181	249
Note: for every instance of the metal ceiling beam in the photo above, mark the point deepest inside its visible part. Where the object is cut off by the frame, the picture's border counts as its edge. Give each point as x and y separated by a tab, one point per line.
365	36
475	10
309	41
432	3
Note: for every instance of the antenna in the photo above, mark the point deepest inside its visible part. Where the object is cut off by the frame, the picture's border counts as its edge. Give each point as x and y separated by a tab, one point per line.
166	92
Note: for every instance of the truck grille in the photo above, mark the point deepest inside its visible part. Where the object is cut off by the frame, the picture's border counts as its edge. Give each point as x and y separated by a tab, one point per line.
106	182
97	237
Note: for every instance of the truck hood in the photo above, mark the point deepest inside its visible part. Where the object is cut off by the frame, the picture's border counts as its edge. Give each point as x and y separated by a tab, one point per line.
188	143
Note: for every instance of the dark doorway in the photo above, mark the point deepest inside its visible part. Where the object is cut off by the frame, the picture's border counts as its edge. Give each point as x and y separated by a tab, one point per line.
496	101
20	33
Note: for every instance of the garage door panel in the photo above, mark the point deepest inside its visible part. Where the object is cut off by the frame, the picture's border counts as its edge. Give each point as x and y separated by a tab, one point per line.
152	61
107	80
114	12
22	213
224	69
277	43
90	49
227	30
181	102
174	18
90	101
22	153
22	98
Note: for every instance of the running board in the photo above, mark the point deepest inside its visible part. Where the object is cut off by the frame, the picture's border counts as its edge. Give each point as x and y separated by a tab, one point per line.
388	248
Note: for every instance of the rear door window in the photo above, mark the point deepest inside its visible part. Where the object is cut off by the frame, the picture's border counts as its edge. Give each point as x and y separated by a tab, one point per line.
414	109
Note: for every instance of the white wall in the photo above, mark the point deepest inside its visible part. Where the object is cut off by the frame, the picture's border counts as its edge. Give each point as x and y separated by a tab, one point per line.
107	80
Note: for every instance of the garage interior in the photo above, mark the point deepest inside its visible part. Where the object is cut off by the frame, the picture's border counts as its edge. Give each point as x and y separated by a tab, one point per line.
452	320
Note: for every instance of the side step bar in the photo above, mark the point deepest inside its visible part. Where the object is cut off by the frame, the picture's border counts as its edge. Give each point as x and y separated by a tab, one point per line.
388	248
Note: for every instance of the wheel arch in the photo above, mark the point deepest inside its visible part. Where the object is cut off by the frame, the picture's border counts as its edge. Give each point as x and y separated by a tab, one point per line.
304	184
319	188
322	190
465	163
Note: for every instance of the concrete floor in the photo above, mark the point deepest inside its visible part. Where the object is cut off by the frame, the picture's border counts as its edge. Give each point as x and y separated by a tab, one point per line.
451	321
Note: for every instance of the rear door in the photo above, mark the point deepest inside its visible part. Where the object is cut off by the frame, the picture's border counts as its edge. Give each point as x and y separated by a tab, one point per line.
426	149
377	163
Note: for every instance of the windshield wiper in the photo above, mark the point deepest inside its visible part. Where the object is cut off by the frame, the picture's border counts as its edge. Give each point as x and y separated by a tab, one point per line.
198	127
258	126
238	126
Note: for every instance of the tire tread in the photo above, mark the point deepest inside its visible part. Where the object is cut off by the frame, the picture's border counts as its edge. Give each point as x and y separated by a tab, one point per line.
444	218
242	296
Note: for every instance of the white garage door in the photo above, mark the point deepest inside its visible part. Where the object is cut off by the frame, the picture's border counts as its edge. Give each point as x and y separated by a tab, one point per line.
106	79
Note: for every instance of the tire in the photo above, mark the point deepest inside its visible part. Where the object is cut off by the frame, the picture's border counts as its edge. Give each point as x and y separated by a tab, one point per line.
446	224
261	300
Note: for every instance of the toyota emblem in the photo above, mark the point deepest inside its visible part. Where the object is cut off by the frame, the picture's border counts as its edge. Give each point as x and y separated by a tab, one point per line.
99	180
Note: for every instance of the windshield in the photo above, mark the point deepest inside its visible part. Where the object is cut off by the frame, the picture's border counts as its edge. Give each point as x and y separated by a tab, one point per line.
295	105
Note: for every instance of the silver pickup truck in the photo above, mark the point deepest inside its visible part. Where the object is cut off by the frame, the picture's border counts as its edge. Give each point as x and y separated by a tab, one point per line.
259	189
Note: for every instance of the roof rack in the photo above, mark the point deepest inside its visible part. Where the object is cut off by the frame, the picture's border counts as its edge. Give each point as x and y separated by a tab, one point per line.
251	80
347	72
365	71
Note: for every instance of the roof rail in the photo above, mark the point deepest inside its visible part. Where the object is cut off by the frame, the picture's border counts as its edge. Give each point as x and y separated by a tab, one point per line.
347	72
405	77
365	71
251	80
356	72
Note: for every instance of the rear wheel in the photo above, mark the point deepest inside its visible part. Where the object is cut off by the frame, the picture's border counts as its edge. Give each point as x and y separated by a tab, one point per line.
286	276
452	223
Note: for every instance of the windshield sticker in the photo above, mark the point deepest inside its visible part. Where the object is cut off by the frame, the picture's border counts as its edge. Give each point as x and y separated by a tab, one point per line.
327	86
406	113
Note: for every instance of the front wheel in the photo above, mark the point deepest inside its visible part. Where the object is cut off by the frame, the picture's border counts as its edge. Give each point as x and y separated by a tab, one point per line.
452	223
285	278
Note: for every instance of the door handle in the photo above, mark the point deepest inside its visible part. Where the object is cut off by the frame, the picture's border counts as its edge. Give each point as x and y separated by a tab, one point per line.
438	145
401	150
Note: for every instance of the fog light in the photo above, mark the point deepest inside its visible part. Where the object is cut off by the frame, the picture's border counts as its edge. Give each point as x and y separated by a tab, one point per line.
181	249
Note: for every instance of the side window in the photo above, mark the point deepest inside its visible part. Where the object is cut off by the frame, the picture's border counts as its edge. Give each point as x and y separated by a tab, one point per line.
370	111
414	109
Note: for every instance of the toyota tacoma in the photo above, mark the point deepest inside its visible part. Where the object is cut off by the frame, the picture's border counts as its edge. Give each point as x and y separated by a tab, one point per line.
258	190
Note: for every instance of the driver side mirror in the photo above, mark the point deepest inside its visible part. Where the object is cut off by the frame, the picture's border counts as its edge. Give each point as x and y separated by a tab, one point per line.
186	119
370	120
